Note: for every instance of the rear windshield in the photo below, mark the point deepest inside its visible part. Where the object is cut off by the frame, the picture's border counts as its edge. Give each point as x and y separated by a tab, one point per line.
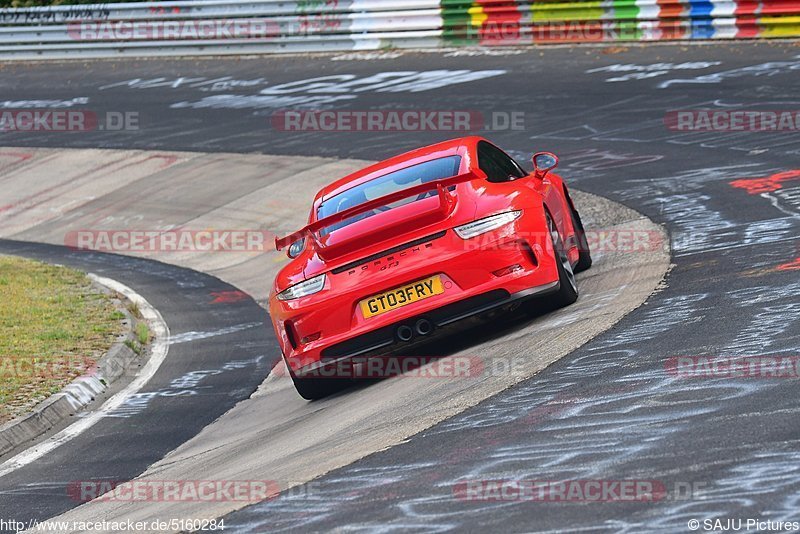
428	171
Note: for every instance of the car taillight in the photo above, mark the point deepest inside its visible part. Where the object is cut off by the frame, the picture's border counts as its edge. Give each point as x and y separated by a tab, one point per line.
487	224
303	289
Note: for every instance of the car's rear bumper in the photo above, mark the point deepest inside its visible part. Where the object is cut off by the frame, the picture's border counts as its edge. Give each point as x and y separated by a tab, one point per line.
384	340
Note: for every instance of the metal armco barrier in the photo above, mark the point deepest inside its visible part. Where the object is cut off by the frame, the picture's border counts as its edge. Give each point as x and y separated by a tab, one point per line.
270	26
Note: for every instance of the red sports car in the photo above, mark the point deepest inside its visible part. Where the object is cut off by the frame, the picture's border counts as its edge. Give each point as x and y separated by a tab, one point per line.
396	252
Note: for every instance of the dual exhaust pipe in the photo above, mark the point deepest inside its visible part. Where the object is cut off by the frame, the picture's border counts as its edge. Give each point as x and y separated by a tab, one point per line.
422	327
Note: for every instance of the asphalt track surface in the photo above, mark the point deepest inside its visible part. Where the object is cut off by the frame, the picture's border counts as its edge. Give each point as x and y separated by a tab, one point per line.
609	410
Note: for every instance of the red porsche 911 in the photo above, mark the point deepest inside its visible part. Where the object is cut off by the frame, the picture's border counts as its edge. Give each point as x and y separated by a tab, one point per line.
395	253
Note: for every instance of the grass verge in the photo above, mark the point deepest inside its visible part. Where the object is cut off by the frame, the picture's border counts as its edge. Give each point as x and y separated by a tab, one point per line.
53	327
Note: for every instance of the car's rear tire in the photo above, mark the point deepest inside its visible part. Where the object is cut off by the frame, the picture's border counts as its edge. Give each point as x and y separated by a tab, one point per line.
312	388
568	288
585	257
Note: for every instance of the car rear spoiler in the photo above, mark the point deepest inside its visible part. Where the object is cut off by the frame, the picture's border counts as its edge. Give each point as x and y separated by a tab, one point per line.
445	202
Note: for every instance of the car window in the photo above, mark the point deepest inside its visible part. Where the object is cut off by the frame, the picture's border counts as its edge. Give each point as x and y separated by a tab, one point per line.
405	178
496	164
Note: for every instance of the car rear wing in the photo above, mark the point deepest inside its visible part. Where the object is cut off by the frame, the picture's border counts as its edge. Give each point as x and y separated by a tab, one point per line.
445	204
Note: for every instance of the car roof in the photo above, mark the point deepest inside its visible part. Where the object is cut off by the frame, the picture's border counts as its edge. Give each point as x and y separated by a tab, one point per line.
451	147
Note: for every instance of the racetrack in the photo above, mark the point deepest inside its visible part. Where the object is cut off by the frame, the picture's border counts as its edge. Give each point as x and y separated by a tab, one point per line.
304	440
608	410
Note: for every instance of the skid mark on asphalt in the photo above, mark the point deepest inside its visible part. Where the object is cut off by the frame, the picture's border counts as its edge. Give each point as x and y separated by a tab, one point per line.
761	484
767	69
187	337
774	189
188	384
649	126
697	226
228	297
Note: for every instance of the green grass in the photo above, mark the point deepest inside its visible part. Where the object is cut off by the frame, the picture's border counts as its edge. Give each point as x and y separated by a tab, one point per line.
142	333
53	327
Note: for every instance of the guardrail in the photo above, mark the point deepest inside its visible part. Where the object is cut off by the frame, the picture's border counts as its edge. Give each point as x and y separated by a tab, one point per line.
268	26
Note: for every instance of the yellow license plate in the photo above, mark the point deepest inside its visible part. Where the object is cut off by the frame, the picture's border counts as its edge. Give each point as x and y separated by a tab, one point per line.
401	296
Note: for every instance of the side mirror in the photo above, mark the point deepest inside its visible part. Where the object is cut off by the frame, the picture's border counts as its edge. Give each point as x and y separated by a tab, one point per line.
543	162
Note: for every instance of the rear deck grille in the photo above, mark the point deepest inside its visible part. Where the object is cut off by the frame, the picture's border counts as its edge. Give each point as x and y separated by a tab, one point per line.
387	252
